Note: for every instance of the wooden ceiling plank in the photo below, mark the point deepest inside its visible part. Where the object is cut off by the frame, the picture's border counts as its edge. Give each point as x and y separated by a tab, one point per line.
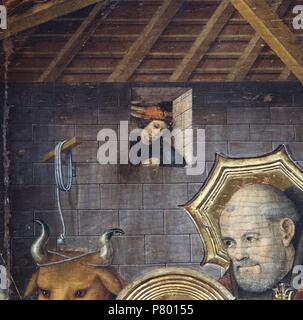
200	47
74	44
254	48
151	33
20	39
274	32
42	13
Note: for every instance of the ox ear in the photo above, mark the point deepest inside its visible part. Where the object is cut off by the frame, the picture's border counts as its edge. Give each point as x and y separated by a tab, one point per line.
110	280
32	285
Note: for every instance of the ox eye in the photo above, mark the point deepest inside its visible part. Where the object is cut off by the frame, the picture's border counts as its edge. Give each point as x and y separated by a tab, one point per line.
80	293
45	293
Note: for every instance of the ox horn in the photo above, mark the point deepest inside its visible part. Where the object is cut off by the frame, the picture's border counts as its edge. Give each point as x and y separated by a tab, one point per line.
38	247
105	254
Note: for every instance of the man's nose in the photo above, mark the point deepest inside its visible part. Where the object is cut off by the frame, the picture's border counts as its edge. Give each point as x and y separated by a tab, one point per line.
240	253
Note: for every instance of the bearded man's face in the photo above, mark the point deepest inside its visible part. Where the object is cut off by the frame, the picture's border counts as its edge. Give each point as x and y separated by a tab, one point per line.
254	246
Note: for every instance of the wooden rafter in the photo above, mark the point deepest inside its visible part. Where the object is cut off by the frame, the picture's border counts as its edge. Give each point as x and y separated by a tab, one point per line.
42	13
274	32
254	48
75	44
203	41
285	74
146	40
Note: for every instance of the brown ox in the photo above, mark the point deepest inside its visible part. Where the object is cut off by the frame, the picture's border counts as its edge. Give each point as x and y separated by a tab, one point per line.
66	276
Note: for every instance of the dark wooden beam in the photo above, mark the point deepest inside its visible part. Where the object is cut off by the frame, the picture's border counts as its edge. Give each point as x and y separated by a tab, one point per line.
274	32
74	44
146	40
207	36
254	48
42	13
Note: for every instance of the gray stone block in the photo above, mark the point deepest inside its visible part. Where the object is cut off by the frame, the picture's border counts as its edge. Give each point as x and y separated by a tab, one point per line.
95	222
22	173
167	249
29	115
178	222
29	152
140	174
164	195
53	132
227	132
299	133
82	197
22	224
111	116
77	115
179	175
42	96
79	243
33	197
137	222
211	148
52	219
121	196
197	250
271	132
249	149
130	273
86	152
20	132
44	173
128	250
286	115
96	173
240	115
90	132
209	115
193	189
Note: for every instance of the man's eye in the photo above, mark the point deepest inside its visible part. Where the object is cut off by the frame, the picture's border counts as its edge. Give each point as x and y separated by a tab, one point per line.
228	243
45	293
80	293
250	239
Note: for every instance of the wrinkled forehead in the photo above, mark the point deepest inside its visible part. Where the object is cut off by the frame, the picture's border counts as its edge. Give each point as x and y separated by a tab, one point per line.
242	218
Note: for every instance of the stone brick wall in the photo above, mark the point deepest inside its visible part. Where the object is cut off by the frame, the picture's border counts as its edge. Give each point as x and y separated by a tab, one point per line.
241	119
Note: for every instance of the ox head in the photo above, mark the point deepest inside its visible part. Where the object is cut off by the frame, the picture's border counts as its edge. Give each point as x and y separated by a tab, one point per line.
71	275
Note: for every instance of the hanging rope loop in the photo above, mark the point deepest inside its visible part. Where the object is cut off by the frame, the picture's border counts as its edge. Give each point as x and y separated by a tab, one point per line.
62	185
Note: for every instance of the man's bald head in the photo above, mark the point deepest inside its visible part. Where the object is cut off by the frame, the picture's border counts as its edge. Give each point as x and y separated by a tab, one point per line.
257	227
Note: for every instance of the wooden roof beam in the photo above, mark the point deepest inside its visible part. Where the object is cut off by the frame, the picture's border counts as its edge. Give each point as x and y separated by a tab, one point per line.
274	32
203	41
254	48
42	13
74	44
151	33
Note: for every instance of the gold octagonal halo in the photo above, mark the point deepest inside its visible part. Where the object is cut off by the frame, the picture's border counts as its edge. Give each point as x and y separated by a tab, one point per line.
226	177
